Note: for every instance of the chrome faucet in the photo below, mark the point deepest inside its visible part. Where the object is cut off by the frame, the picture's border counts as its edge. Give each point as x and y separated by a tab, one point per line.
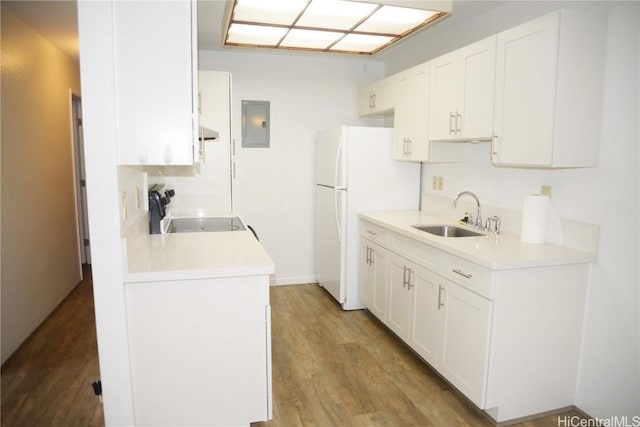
478	222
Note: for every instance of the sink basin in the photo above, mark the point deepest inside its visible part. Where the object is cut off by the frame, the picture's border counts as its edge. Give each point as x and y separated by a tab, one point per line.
447	230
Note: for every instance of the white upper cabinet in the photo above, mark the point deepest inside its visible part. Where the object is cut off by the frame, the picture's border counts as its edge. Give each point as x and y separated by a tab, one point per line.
461	93
411	114
549	78
156	82
376	99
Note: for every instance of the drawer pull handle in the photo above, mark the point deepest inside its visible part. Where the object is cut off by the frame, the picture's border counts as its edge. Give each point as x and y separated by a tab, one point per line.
440	303
462	273
372	233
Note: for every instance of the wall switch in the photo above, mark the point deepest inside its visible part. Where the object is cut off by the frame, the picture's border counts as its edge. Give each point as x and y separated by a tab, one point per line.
545	190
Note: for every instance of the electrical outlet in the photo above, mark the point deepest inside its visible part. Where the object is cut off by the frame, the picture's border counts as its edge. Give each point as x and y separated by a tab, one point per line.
545	190
440	183
434	183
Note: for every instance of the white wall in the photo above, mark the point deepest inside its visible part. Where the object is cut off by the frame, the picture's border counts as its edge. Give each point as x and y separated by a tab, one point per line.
273	189
607	195
101	156
40	252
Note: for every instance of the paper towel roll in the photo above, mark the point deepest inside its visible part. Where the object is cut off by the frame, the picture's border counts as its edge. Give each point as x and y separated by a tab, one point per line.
534	218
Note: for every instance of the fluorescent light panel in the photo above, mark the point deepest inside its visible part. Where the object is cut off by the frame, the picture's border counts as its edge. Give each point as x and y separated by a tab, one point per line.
323	25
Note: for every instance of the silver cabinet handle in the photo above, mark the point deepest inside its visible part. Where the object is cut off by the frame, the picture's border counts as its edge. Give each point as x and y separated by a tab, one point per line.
440	303
404	276
371	233
494	148
462	273
409	285
458	122
451	118
409	148
368	257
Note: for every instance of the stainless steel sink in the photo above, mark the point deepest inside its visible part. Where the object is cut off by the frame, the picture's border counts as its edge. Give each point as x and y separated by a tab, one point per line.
447	230
208	224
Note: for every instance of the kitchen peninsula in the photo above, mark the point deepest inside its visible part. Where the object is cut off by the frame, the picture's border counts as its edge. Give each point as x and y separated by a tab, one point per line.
198	320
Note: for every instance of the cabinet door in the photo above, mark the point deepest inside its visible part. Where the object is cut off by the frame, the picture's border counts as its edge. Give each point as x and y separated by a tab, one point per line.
477	65
404	117
399	306
411	114
376	98
367	277
526	67
443	96
215	112
384	98
425	309
154	101
464	340
379	259
365	100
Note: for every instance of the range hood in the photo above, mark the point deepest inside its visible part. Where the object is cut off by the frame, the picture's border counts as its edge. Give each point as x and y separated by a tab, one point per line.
206	134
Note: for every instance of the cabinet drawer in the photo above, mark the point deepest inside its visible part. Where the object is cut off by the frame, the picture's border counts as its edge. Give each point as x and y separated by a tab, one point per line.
375	233
472	276
421	254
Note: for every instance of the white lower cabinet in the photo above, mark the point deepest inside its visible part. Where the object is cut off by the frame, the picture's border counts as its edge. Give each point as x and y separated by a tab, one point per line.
479	327
463	350
443	322
373	277
200	351
423	336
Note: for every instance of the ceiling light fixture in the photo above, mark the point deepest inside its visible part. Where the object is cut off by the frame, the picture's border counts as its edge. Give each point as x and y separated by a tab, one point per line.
337	26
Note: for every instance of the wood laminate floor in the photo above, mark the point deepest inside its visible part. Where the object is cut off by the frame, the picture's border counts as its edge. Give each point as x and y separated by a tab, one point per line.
47	381
330	368
344	368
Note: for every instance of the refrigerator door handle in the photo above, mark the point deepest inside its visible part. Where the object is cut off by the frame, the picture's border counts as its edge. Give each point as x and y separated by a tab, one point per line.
338	163
336	193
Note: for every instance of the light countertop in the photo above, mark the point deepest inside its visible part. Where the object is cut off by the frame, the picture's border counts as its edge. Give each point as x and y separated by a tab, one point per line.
497	252
183	256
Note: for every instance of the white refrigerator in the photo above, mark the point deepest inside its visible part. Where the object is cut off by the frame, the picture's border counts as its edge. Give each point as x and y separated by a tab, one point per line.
355	172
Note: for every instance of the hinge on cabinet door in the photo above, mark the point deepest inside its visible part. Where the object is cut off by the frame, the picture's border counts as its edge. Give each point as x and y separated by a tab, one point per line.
86	242
83	183
79	121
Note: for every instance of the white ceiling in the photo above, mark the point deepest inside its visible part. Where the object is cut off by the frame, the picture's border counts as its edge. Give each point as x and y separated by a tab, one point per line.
56	20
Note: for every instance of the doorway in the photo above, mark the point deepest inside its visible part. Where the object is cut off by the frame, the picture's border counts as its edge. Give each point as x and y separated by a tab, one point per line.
80	182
